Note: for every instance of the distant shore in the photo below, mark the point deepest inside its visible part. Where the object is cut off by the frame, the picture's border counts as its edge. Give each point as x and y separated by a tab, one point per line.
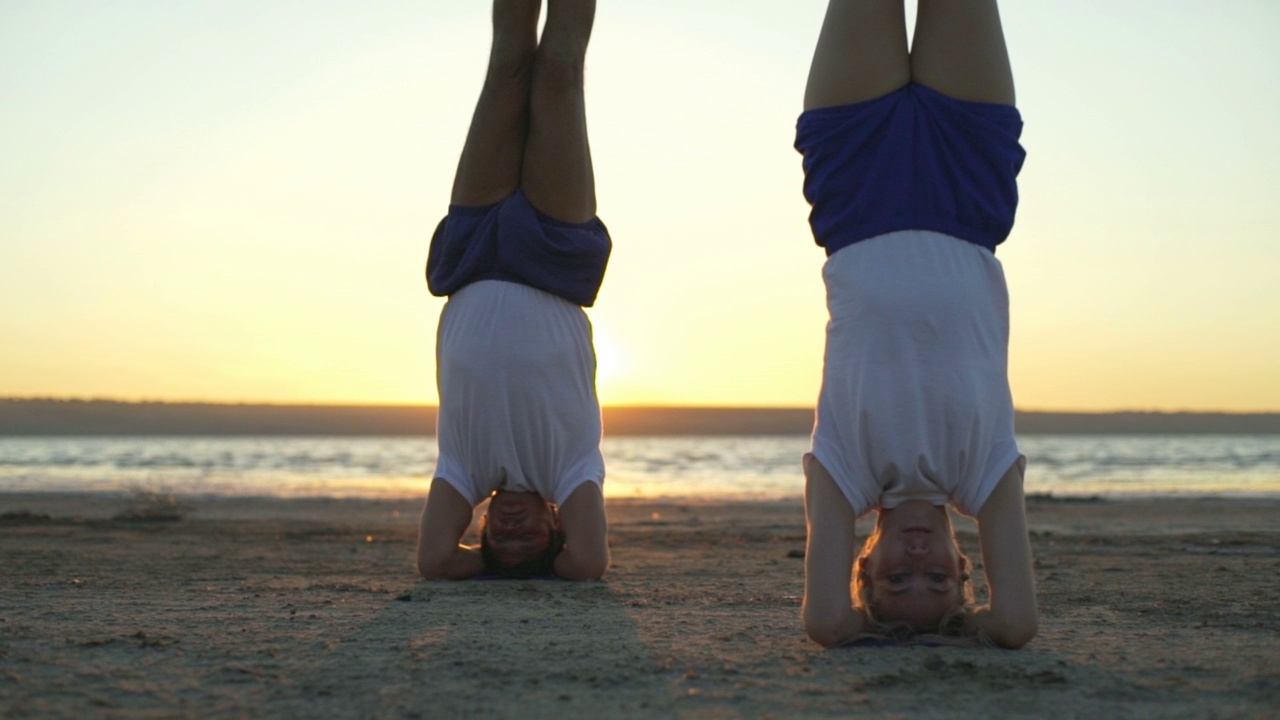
28	417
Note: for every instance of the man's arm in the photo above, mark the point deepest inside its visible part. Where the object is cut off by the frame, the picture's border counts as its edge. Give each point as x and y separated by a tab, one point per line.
586	535
829	616
1011	618
444	520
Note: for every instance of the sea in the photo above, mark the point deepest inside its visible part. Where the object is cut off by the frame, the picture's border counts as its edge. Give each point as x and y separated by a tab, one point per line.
719	467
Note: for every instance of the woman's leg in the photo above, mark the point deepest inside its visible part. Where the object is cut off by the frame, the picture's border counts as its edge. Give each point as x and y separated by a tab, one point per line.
489	169
557	175
861	53
959	50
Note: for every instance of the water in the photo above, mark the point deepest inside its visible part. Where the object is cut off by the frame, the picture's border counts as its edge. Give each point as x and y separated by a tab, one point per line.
704	467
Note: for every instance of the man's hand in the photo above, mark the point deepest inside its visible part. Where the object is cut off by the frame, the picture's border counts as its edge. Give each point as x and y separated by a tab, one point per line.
586	535
444	520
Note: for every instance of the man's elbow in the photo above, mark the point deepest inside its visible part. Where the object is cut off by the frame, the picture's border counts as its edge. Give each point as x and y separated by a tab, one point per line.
596	570
431	567
587	574
583	569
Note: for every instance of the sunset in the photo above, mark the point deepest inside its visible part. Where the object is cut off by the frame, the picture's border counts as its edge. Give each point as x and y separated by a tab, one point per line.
232	202
639	359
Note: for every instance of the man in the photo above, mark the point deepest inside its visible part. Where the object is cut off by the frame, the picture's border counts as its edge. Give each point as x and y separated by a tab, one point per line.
519	255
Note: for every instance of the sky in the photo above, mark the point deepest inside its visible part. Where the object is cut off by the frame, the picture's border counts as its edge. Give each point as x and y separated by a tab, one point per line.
232	200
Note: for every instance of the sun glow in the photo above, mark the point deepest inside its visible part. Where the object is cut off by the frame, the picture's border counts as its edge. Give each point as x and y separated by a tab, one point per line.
254	230
612	361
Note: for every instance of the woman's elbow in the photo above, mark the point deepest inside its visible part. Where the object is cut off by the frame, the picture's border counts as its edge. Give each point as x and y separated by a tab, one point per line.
1016	635
825	630
823	636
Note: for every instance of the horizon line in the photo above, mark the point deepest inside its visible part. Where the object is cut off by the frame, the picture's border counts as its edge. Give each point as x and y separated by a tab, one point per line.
613	406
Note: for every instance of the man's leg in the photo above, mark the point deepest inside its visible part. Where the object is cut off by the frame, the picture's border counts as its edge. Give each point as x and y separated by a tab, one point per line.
489	169
861	53
959	50
557	175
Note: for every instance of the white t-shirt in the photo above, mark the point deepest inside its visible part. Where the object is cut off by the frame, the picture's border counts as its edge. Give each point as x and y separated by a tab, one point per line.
518	406
915	400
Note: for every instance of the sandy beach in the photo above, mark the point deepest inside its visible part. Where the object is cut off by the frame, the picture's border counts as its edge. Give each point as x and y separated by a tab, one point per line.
311	608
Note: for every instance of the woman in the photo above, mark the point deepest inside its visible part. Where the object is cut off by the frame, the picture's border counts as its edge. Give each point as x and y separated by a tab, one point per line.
910	164
519	254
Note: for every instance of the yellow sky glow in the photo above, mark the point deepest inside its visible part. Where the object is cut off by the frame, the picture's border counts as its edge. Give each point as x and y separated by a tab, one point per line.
232	202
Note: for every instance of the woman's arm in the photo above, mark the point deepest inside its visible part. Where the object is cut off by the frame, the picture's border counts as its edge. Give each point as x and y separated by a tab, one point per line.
586	535
829	616
444	520
1011	618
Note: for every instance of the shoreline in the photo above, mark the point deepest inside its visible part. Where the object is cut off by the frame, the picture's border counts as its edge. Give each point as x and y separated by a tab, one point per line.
137	494
49	417
73	498
288	608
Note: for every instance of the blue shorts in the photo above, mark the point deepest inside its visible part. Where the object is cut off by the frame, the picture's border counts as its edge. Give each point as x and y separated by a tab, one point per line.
914	159
512	241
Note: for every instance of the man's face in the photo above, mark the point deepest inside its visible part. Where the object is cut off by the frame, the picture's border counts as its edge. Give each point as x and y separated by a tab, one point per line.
519	526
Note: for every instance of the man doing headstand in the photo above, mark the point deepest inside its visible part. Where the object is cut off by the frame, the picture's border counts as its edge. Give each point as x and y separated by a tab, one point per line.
519	255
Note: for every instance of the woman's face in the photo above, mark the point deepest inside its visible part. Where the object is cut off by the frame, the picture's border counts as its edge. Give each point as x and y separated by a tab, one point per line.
916	570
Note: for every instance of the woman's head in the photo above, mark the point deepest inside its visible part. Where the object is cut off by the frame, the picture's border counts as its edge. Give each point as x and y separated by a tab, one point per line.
911	571
520	534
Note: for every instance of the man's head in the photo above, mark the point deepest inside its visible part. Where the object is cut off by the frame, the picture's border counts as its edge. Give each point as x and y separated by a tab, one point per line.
520	535
911	571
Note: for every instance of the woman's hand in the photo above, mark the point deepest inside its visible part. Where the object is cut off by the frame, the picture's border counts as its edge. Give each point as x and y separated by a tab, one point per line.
1011	619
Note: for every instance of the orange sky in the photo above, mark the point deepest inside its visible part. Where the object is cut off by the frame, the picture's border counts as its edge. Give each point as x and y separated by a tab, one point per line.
232	202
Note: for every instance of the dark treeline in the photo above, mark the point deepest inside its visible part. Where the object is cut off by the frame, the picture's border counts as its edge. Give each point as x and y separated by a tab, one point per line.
106	417
37	417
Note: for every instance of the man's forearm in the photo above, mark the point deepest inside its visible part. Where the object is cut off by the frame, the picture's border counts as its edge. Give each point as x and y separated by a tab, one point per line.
570	566
463	563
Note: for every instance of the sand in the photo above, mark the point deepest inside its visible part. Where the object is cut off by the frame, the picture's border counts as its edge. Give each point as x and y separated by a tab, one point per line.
311	608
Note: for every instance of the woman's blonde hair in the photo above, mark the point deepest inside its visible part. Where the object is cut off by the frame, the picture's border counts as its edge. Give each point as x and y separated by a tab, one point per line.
952	623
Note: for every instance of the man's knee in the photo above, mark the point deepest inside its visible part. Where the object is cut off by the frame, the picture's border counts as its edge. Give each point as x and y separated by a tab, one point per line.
559	69
510	73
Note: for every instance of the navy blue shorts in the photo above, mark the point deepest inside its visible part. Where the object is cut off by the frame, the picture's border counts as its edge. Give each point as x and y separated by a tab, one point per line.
914	159
512	241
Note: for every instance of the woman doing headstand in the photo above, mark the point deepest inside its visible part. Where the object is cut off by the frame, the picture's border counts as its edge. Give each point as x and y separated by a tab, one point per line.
910	163
519	254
